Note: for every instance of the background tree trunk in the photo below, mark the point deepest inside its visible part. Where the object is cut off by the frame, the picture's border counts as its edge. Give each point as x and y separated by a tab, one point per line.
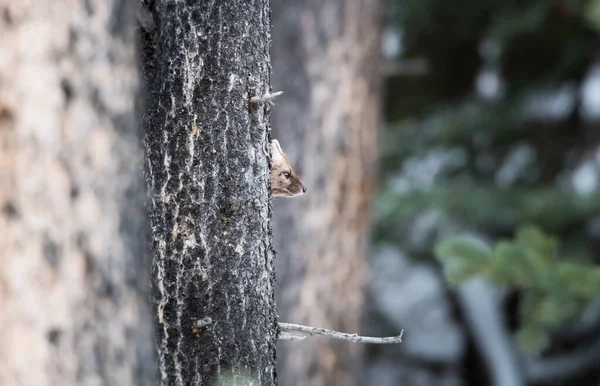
74	277
208	177
326	60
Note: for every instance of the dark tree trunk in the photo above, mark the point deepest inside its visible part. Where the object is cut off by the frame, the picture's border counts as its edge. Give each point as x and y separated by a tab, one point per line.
326	60
74	277
208	179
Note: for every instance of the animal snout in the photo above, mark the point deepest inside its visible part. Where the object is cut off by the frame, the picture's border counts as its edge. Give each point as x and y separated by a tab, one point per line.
303	189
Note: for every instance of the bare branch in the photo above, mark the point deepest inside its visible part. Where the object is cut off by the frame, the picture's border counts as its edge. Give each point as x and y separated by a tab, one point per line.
267	97
291	331
291	335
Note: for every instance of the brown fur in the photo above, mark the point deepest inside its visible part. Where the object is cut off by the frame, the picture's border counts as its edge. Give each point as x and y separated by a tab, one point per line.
284	181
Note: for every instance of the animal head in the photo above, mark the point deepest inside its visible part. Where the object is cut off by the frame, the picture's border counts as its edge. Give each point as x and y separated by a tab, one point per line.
284	181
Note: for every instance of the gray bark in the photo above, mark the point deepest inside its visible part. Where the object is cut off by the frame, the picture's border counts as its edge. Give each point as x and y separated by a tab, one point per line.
326	60
208	179
74	283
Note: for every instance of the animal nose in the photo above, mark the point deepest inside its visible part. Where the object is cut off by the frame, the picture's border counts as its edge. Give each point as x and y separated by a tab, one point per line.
303	189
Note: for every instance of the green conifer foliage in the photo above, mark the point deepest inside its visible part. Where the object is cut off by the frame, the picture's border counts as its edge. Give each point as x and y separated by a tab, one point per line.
502	164
553	290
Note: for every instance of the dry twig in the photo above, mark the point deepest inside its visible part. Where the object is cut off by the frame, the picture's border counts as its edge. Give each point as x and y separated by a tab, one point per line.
291	331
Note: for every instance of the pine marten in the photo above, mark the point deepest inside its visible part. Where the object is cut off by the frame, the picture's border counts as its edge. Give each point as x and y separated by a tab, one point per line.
284	181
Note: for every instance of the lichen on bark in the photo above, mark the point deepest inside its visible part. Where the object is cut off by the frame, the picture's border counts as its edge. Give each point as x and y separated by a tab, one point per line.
209	203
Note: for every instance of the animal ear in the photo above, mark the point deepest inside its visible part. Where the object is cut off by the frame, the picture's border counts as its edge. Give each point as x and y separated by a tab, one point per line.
276	151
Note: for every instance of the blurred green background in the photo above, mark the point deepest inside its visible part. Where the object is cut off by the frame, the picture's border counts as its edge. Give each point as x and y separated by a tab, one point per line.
490	166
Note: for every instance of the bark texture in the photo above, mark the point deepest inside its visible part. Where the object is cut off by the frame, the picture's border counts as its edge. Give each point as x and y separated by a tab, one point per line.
208	178
74	289
326	60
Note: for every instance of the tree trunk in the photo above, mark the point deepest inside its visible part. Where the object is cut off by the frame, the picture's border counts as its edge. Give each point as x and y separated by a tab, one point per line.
326	60
74	277
208	178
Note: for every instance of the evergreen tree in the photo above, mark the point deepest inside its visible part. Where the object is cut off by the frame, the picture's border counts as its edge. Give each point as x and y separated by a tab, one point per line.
495	137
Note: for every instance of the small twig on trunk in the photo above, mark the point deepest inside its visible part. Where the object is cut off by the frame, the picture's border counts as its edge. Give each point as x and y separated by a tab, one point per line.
291	331
267	97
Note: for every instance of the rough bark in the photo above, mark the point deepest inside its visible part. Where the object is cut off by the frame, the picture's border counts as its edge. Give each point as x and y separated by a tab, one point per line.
74	289
208	178
326	60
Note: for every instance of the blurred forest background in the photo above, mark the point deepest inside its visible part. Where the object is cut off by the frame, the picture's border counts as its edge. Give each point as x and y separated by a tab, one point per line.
486	220
489	173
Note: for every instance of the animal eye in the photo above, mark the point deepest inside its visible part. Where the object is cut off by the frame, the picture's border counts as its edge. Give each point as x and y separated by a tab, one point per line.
286	174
